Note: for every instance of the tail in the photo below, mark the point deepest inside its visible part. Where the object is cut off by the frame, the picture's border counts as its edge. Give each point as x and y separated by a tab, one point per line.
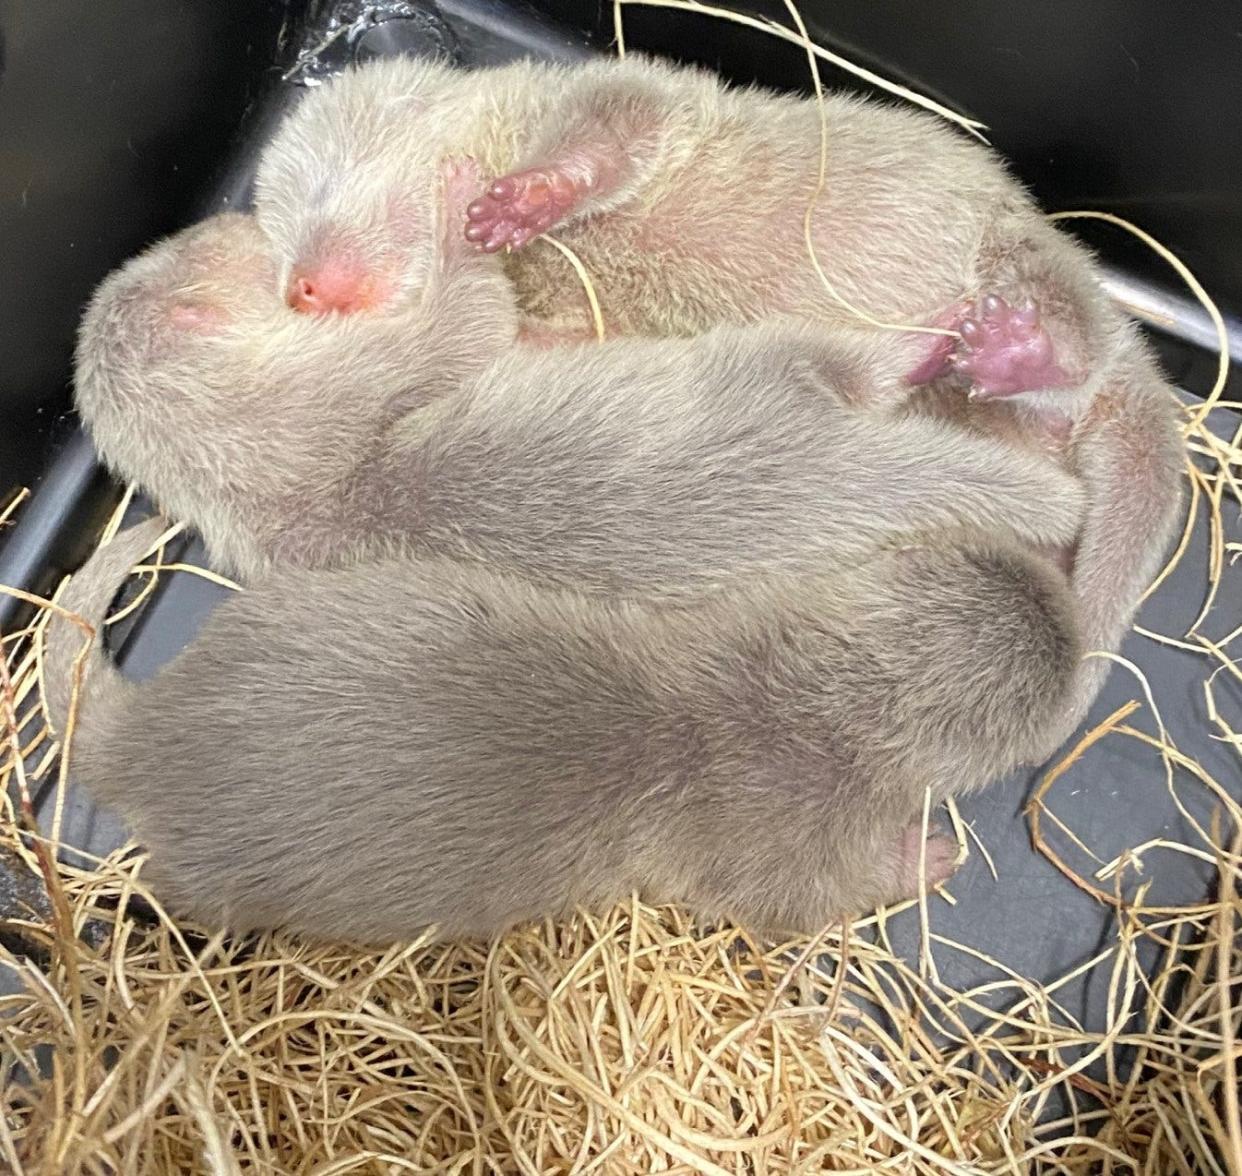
1132	457
73	661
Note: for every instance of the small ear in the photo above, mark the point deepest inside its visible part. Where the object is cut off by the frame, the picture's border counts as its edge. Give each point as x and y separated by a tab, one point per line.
461	181
462	178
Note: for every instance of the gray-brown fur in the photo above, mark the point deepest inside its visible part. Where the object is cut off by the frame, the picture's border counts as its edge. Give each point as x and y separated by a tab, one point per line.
703	223
650	466
363	752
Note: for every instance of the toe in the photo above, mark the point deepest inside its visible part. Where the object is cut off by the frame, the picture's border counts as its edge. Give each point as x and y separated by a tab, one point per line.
1027	313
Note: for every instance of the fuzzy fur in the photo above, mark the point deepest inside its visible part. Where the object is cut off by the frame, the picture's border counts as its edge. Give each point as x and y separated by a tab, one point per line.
698	221
646	466
361	753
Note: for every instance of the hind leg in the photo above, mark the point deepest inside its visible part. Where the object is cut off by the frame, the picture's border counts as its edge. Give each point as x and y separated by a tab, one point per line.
1130	455
931	861
891	871
800	897
1109	415
1003	350
1006	350
1039	325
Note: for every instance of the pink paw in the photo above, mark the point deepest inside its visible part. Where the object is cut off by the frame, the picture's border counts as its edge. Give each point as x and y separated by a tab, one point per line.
517	207
940	858
1005	350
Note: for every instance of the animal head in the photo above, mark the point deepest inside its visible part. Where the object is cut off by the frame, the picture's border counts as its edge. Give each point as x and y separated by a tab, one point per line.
195	378
348	189
164	342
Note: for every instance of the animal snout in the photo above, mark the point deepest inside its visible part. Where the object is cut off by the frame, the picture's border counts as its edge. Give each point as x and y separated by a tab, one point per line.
331	288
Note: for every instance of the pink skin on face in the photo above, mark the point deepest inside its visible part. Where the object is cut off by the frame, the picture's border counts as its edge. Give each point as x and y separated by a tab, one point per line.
1003	350
518	207
196	316
335	285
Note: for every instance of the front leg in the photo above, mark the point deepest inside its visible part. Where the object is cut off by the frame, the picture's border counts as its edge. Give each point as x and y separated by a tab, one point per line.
522	205
607	142
467	312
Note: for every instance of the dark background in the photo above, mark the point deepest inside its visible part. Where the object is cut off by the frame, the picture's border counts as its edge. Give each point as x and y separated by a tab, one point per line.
115	118
1132	106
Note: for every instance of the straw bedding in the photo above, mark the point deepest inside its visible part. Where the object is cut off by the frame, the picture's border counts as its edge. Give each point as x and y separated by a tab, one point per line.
632	1040
628	1040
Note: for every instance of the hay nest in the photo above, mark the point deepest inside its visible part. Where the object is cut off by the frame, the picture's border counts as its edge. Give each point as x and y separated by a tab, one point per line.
624	1041
628	1040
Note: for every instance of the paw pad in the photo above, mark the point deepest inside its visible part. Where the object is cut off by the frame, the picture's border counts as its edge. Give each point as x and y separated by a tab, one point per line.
1006	350
518	207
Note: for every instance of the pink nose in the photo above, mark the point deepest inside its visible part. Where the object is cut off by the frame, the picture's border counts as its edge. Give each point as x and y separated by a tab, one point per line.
332	288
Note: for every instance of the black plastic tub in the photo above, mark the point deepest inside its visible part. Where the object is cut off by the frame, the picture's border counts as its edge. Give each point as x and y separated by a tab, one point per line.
124	121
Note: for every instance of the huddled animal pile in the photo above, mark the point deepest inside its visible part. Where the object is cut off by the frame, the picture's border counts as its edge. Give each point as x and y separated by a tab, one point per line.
533	620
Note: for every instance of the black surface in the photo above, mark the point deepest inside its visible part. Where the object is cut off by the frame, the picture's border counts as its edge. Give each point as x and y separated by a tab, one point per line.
57	527
113	118
1133	106
149	118
1030	918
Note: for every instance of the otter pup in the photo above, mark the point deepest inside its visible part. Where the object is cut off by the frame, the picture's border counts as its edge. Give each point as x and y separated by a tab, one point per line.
365	752
685	200
642	465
